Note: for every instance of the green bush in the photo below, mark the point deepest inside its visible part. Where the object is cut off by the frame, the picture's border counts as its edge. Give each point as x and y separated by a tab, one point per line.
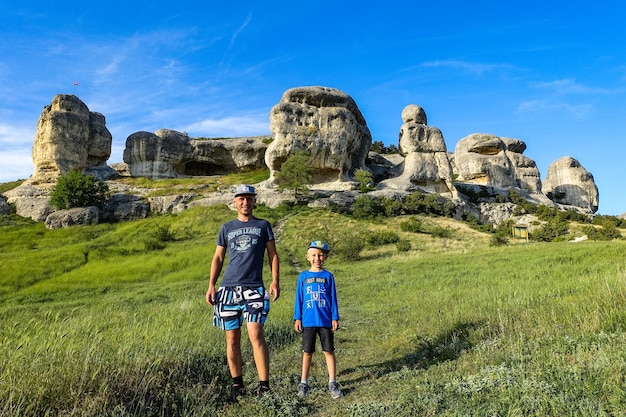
403	245
382	238
364	179
365	207
76	189
413	225
295	174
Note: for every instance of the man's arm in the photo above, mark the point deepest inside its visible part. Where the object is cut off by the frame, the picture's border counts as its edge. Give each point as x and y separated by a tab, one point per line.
216	269
272	255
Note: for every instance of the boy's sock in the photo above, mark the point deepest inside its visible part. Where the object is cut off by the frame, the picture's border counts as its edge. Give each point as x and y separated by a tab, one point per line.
331	380
304	381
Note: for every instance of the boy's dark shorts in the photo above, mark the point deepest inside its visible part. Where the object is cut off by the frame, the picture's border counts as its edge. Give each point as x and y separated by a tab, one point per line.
327	337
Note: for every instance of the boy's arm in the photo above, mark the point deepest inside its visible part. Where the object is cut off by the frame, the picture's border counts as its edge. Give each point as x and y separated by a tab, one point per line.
334	303
297	307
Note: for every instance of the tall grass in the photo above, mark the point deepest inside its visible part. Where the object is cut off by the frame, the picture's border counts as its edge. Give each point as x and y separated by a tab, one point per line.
102	321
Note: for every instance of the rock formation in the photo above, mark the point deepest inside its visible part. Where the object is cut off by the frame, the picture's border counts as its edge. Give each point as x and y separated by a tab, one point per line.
327	124
491	161
78	216
426	166
69	136
570	183
168	154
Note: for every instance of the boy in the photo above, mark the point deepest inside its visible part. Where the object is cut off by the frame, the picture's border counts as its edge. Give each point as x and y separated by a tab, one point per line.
316	312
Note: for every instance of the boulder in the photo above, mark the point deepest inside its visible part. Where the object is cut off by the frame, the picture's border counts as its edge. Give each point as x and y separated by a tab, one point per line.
157	155
426	166
4	206
68	136
569	183
169	154
125	207
491	161
30	200
78	216
328	125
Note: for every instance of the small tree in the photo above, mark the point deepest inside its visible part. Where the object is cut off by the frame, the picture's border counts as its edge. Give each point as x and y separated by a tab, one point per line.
76	189
295	174
364	178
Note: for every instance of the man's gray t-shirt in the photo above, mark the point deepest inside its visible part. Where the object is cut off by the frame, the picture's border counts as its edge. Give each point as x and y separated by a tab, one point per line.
245	243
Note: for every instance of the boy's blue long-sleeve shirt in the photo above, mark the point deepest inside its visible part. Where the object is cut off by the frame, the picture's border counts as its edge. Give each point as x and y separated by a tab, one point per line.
316	299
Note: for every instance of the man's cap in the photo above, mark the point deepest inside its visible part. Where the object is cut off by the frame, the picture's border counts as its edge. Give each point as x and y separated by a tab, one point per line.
318	244
244	189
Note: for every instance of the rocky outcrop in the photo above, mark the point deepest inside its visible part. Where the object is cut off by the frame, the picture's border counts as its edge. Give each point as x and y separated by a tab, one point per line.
169	154
69	136
30	201
491	161
325	123
78	216
4	206
569	183
426	166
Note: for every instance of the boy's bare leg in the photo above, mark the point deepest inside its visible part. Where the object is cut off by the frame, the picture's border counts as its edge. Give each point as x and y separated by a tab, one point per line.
307	358
331	365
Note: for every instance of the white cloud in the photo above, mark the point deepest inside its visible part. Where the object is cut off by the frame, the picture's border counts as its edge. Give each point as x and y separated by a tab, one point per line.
15	164
233	126
473	67
570	86
578	111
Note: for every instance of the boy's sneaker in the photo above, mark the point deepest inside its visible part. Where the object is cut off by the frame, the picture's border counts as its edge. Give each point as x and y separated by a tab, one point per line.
335	392
303	390
262	390
236	391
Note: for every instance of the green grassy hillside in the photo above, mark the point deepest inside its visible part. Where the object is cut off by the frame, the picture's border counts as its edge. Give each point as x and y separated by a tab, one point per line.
110	320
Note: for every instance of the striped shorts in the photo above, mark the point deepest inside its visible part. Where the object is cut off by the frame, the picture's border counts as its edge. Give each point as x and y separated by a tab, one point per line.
234	304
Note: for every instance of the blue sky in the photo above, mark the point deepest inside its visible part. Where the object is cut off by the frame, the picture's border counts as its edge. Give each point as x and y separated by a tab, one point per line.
551	73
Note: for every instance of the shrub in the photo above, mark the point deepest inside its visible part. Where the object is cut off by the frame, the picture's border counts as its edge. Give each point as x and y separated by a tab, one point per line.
364	179
350	246
365	207
295	174
439	231
403	245
413	225
382	238
76	189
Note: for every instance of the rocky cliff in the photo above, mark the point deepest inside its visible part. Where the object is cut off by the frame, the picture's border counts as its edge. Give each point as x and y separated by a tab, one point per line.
324	122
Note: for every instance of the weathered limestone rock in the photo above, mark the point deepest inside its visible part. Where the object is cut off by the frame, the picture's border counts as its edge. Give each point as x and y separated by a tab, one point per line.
226	156
31	201
525	169
169	154
327	124
170	203
78	216
157	155
68	137
491	161
569	183
426	166
124	207
4	206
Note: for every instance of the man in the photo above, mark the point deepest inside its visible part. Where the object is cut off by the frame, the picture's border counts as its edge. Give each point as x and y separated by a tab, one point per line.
242	294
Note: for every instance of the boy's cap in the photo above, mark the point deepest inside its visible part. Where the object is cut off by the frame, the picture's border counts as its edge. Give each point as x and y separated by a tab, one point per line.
244	189
318	244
